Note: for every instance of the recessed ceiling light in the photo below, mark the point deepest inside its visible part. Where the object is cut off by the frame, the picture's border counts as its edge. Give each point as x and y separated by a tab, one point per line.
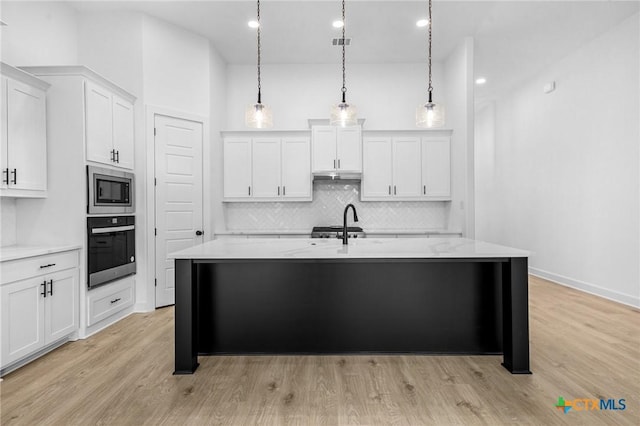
422	23
338	24
253	24
481	80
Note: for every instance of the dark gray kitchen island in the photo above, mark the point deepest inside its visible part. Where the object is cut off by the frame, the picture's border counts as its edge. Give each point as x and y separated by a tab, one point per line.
312	296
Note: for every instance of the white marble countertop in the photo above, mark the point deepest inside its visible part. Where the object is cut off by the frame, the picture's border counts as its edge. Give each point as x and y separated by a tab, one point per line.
366	248
21	252
367	231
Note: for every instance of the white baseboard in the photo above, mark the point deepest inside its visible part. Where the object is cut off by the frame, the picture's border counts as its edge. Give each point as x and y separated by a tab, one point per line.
143	307
625	299
98	327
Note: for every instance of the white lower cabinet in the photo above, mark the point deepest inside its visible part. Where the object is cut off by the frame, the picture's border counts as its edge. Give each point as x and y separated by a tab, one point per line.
38	310
110	299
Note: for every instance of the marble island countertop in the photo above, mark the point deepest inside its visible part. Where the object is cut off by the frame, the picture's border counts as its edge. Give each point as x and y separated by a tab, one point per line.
367	248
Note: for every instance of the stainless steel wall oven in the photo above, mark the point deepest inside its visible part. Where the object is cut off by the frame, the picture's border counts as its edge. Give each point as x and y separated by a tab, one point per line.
112	248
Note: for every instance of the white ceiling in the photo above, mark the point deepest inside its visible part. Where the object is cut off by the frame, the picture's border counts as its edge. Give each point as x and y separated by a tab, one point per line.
513	39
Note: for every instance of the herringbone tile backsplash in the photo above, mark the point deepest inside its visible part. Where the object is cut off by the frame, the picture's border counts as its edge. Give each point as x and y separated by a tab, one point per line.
329	199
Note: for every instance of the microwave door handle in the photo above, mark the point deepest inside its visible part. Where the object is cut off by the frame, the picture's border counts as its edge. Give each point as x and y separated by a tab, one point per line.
112	229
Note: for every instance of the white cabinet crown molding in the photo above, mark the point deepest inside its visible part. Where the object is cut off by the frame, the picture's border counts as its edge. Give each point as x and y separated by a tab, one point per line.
325	122
80	70
264	133
23	76
408	132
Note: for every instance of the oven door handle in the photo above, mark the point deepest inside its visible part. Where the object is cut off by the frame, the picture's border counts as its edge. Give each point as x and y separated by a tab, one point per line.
112	229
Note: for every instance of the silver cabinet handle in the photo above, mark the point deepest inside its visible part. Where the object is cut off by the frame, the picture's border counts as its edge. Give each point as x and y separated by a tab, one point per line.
249	190
338	163
394	190
334	163
424	189
284	190
278	190
15	176
389	189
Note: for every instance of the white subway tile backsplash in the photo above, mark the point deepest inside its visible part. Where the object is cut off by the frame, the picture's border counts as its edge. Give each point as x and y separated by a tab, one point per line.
329	200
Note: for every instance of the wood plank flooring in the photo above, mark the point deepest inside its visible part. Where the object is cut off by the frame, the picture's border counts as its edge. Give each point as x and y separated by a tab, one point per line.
582	346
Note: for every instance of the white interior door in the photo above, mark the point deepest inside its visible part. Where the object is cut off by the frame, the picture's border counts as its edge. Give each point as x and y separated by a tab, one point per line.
178	165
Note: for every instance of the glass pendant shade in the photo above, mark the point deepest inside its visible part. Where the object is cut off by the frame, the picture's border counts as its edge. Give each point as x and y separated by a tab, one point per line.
430	115
258	116
343	114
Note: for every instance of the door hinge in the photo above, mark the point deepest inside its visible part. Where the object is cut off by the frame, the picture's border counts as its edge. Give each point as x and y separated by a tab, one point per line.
156	281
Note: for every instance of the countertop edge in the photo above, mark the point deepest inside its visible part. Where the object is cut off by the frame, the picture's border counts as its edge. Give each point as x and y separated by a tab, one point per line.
17	252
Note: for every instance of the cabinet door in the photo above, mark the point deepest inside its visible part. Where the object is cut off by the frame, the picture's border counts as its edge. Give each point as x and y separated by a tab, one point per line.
26	136
266	168
99	124
407	175
123	133
349	149
22	319
377	178
324	148
61	305
296	167
4	167
436	167
237	168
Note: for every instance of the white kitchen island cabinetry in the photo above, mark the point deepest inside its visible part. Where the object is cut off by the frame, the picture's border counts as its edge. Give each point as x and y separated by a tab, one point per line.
39	297
265	166
406	166
337	149
23	151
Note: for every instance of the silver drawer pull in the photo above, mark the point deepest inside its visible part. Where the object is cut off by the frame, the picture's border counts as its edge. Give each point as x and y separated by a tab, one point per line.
47	266
112	229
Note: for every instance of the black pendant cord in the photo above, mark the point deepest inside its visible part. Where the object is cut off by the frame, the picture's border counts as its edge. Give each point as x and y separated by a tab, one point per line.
430	28
344	41
259	47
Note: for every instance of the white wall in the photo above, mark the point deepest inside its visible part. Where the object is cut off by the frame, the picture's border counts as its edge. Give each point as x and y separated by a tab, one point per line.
459	116
218	122
386	95
176	68
558	173
39	33
8	224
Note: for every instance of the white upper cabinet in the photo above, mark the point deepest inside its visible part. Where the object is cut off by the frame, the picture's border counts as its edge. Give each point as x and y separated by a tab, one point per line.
296	167
23	148
267	168
99	124
406	167
337	149
377	171
436	167
237	168
123	132
349	148
109	127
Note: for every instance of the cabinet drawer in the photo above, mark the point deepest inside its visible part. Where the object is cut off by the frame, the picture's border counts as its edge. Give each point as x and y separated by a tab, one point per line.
21	269
109	301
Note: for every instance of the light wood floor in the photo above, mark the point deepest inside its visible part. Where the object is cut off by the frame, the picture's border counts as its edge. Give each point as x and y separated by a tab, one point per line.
581	347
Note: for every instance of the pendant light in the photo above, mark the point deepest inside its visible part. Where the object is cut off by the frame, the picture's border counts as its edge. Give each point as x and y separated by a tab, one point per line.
343	114
430	114
258	116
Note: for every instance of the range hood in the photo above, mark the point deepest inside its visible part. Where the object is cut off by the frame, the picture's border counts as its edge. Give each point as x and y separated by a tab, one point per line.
337	175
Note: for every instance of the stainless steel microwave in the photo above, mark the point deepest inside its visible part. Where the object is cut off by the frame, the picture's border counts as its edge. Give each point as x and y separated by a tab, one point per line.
109	191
